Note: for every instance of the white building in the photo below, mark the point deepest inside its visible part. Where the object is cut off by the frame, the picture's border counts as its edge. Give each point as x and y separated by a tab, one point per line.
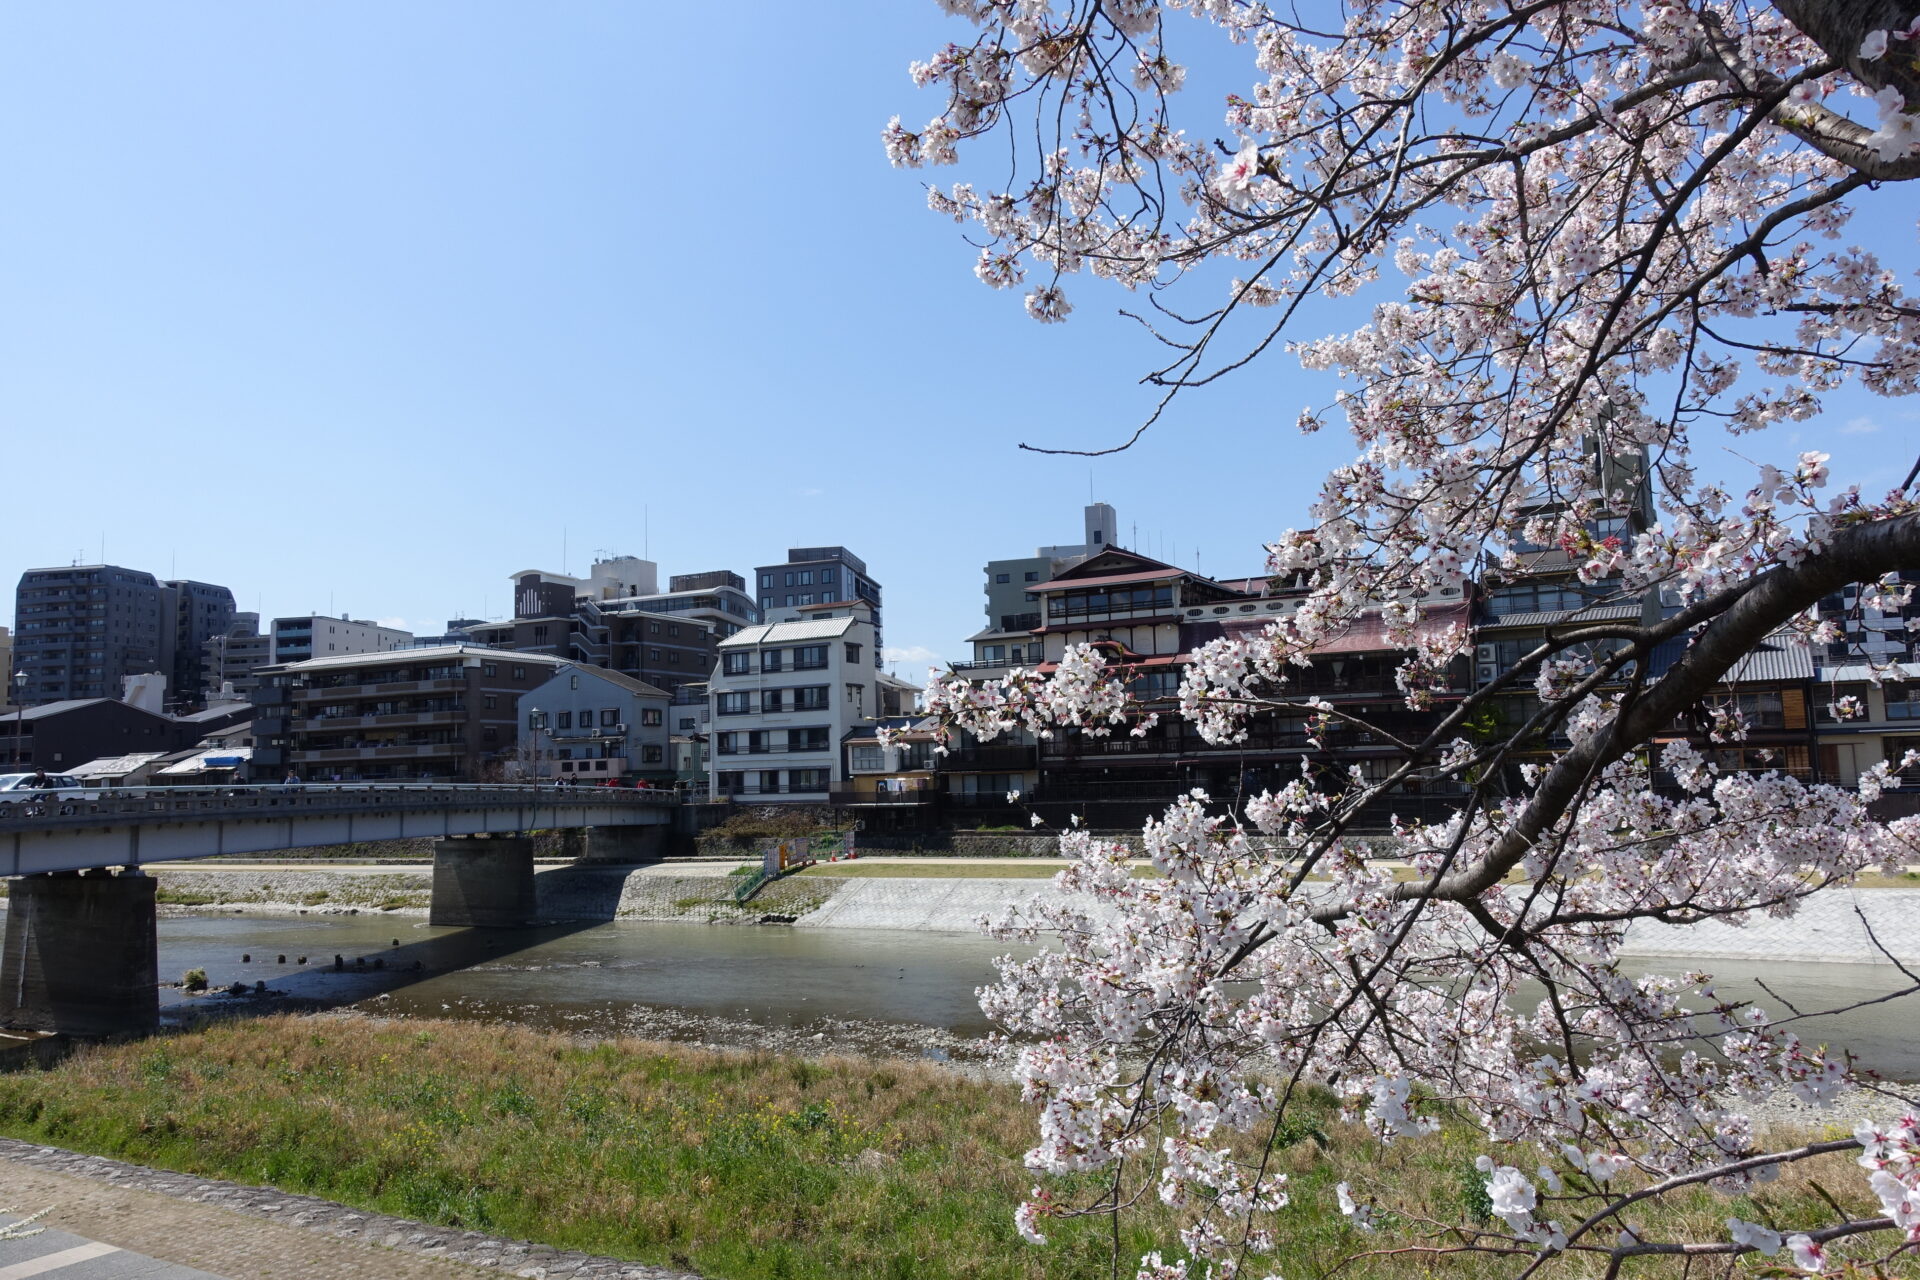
593	724
318	636
785	695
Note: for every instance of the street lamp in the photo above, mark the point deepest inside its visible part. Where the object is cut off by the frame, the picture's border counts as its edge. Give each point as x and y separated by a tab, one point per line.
19	713
533	737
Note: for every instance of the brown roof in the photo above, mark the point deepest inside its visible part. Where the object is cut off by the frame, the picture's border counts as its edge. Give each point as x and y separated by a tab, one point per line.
1117	579
1365	634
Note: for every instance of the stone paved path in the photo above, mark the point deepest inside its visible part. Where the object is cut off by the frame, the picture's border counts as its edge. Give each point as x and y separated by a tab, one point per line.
253	1233
61	1255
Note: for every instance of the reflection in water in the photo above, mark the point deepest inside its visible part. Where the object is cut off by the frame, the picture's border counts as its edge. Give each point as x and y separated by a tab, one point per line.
590	977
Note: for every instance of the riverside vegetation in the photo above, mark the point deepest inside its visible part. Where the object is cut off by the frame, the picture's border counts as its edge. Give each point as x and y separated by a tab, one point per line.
742	1166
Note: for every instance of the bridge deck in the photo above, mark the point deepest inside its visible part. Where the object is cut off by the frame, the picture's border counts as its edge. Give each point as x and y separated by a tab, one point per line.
127	826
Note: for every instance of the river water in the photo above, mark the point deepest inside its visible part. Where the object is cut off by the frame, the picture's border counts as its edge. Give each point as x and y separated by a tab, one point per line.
870	990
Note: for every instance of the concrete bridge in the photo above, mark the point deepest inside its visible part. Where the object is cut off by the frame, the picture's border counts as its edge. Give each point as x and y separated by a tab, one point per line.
80	951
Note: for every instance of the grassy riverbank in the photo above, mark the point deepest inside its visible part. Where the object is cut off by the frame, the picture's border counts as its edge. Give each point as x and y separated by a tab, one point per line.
739	1166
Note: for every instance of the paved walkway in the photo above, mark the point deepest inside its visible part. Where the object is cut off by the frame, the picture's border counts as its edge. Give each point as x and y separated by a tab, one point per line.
61	1255
233	1232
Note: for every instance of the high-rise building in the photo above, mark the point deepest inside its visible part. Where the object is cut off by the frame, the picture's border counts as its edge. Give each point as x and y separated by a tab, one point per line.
819	575
229	659
318	636
1013	598
201	611
79	629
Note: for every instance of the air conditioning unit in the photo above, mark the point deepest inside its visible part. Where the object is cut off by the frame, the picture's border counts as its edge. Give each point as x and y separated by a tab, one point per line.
620	729
1489	672
1486	653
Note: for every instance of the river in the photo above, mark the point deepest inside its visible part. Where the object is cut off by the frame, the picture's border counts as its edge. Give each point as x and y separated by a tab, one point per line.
871	990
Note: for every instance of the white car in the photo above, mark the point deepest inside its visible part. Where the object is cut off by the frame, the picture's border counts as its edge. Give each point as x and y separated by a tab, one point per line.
18	792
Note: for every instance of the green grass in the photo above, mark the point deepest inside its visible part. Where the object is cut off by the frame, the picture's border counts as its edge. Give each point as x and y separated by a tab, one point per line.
741	1166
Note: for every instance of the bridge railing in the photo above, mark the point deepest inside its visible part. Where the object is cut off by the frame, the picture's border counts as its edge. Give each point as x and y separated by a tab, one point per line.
115	804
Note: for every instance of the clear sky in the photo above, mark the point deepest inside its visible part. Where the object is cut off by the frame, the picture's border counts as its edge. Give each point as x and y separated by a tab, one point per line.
363	307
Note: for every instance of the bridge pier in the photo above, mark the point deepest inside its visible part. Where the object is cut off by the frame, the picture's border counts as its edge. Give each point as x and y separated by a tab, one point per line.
483	882
626	844
81	954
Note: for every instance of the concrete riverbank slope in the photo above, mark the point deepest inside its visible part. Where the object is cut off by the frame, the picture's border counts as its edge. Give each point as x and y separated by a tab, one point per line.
1845	926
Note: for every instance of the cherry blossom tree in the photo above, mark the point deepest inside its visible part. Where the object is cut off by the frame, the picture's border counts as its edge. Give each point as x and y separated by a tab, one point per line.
1592	232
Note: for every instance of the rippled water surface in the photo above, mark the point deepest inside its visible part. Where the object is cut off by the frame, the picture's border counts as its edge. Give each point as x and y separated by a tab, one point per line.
598	977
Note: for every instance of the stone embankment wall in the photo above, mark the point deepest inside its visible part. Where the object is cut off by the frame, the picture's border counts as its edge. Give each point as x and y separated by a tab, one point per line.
562	893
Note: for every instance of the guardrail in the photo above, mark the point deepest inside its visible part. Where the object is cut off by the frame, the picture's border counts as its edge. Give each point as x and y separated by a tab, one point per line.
89	807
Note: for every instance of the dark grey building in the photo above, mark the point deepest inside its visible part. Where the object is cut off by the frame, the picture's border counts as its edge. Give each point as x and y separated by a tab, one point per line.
818	575
201	611
82	627
231	656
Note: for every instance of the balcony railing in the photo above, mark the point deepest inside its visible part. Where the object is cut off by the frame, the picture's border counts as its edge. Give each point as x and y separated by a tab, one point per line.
891	798
989	759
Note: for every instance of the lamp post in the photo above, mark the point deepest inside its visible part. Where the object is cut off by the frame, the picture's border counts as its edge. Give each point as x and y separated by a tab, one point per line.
19	713
533	737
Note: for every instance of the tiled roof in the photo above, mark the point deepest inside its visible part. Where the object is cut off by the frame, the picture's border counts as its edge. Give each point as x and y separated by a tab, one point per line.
621	680
1365	634
1779	657
1598	613
1114	579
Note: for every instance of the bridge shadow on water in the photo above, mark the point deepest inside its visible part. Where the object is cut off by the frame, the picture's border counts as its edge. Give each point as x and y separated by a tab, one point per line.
369	954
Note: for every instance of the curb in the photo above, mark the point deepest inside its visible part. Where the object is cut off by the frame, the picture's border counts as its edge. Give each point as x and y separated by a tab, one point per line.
472	1248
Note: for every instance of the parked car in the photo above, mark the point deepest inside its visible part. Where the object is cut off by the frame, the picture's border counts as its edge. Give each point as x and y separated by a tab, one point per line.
18	792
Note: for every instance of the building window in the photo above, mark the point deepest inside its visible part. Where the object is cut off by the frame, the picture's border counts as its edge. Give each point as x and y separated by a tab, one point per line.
1003	577
853	653
789	579
770	700
810	657
814	739
653	655
735	664
806	779
735	704
811	698
766	579
770	659
806	577
650	754
1030	576
673	657
673	629
489	701
573	682
688	722
608	716
539	634
489	734
489	669
519	673
868	759
826	575
652	716
653	628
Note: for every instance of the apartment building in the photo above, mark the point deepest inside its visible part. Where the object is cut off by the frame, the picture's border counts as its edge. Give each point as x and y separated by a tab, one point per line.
448	714
1887	728
784	696
640	636
229	660
201	611
319	636
1869	633
595	725
819	575
80	629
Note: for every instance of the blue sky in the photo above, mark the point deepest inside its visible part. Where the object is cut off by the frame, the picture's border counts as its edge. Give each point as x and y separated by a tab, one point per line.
371	305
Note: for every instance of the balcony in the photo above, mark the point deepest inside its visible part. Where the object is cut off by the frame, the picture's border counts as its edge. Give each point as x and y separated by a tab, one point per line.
449	715
370	688
990	760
